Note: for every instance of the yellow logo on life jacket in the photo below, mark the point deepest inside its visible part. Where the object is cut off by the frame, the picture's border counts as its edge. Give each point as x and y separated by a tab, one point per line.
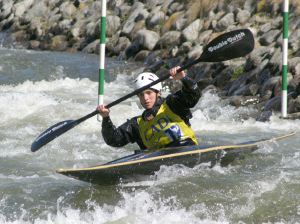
166	127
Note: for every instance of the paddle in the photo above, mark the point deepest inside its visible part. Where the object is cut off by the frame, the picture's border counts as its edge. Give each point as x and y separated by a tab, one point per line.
227	46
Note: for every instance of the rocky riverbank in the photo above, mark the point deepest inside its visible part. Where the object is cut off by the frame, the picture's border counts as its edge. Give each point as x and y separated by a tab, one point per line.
165	33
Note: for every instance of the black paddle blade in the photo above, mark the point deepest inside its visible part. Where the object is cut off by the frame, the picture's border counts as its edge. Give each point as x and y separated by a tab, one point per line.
233	44
51	133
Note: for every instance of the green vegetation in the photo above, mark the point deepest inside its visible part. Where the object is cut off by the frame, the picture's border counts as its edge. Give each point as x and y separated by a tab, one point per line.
237	73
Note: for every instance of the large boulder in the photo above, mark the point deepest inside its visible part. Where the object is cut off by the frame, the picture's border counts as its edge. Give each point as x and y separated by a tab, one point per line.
225	22
59	43
169	39
21	7
138	12
243	16
147	39
191	32
67	9
269	37
155	17
6	9
113	25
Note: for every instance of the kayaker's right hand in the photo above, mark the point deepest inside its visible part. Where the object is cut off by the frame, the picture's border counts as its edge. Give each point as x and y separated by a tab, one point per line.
103	111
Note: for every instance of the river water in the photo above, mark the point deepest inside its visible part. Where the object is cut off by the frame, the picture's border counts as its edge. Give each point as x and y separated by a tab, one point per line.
39	89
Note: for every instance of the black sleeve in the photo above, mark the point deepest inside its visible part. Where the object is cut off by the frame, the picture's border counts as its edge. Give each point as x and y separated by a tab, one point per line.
124	134
186	98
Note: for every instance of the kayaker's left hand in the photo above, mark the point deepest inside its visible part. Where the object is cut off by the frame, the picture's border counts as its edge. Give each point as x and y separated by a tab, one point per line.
175	75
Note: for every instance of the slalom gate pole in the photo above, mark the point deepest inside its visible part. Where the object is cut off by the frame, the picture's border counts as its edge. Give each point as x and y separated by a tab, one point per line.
285	58
102	25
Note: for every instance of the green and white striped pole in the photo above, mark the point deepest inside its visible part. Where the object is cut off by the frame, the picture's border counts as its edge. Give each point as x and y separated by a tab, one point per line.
285	58
102	54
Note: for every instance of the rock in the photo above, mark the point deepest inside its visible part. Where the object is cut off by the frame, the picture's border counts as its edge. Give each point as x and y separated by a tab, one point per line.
294	65
65	25
204	36
249	5
91	31
6	23
67	9
242	81
264	116
294	23
169	39
147	39
166	4
294	106
265	28
59	43
243	16
113	25
91	47
195	52
152	3
54	3
175	7
124	10
278	86
225	22
294	40
140	25
154	62
137	11
258	55
34	44
191	32
276	57
141	56
269	37
184	48
21	7
20	36
180	23
133	49
155	18
270	83
116	45
6	9
293	86
122	44
247	90
75	31
174	51
35	29
222	79
171	21
274	104
38	11
55	16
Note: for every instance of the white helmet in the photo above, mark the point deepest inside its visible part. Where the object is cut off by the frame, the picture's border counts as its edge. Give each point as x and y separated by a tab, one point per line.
146	78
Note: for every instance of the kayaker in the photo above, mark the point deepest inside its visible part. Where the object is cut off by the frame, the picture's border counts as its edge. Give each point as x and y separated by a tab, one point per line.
165	121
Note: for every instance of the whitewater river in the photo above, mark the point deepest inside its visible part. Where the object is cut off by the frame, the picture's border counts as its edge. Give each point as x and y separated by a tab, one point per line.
39	89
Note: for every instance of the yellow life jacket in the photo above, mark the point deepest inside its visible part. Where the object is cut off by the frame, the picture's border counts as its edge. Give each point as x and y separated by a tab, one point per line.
165	128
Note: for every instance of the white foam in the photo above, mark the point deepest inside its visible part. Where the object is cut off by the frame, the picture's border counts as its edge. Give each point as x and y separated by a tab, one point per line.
137	207
213	114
